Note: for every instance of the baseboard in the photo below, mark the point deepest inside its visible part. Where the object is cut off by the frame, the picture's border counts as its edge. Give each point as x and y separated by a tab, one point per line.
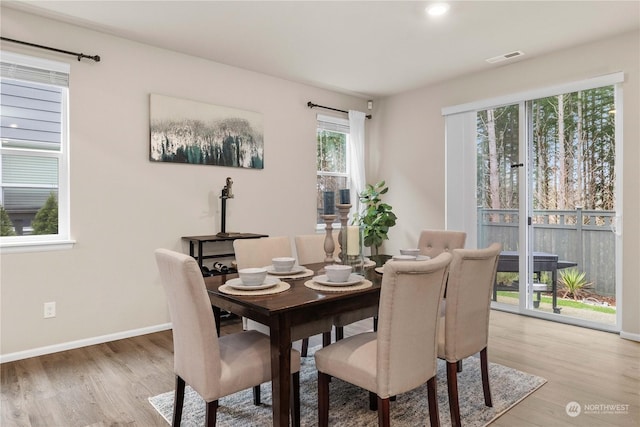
630	336
19	355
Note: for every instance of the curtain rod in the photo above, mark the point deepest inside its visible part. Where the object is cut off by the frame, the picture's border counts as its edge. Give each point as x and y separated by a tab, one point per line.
311	105
77	55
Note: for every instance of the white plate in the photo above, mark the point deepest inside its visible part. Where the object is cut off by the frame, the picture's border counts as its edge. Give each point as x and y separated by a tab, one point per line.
268	283
410	258
295	270
353	280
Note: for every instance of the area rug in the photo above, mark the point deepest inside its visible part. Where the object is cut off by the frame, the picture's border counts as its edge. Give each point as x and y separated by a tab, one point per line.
349	405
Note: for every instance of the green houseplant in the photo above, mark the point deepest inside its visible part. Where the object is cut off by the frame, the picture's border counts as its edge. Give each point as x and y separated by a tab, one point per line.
376	216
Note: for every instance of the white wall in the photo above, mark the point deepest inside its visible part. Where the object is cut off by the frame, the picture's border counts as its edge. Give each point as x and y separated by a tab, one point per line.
123	206
409	147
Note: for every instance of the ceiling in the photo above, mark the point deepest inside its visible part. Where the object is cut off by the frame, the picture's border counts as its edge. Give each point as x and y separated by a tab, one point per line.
367	48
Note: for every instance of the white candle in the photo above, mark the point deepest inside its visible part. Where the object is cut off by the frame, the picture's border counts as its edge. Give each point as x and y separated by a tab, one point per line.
353	240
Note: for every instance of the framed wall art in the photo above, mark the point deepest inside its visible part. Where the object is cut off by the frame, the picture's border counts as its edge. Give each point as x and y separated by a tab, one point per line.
184	131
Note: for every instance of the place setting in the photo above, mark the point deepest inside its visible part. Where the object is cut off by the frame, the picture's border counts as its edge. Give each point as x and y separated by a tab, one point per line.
254	281
412	254
286	268
338	278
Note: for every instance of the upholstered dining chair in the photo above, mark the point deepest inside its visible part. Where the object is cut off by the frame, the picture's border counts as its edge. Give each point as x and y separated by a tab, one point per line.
433	242
401	355
214	367
310	250
251	253
310	247
259	253
464	330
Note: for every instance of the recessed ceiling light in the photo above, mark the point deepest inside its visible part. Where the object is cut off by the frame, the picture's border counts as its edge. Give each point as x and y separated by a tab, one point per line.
437	9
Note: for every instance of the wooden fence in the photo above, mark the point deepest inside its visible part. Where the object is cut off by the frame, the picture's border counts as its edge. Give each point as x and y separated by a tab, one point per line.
582	236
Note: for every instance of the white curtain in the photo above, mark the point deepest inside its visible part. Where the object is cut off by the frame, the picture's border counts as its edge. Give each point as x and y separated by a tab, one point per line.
356	156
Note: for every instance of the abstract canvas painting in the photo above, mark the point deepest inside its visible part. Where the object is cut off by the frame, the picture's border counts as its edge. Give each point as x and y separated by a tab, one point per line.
184	131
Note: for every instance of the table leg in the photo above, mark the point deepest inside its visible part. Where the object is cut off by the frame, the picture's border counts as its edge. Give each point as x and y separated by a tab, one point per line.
554	291
280	335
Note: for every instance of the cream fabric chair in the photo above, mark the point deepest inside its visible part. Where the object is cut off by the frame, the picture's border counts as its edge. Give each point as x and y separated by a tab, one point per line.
259	253
310	250
310	247
465	329
401	355
251	253
433	242
214	367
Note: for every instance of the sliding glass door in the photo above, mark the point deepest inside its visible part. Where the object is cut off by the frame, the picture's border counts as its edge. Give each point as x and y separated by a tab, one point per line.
545	189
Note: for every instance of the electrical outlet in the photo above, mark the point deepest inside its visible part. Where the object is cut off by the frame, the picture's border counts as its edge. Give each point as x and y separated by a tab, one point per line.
49	309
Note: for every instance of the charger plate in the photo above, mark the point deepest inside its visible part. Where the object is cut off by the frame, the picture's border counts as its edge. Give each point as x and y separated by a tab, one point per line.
279	287
324	288
305	272
297	269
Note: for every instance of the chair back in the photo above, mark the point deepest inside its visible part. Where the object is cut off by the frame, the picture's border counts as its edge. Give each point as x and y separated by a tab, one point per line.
310	247
433	242
471	277
408	318
259	252
195	341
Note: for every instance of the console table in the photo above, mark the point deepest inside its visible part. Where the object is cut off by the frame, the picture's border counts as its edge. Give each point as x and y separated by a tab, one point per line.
199	241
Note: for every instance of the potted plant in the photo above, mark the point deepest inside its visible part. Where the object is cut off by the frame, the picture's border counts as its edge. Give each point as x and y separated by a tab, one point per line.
376	216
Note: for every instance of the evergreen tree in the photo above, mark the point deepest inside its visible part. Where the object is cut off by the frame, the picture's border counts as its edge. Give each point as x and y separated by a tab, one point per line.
46	220
6	226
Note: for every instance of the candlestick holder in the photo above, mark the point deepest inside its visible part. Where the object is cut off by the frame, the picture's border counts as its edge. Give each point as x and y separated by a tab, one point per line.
329	245
342	235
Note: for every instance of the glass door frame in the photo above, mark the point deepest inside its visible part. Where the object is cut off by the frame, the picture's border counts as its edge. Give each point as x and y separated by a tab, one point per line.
461	207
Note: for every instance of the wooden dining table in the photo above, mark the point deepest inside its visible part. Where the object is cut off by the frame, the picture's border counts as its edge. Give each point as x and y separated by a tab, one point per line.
296	313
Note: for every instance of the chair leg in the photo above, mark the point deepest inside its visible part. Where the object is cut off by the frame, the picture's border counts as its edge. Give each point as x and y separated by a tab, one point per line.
484	368
305	347
295	399
256	395
211	413
384	419
459	365
323	399
339	333
452	385
373	401
178	401
432	394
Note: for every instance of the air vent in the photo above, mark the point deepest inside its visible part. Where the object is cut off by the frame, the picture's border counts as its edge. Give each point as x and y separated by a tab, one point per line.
504	57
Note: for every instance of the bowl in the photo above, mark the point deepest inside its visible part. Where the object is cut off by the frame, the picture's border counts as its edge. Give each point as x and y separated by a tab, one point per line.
252	276
338	272
283	264
411	251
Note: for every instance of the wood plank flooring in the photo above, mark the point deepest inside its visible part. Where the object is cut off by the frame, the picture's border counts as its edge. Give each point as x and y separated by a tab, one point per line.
108	384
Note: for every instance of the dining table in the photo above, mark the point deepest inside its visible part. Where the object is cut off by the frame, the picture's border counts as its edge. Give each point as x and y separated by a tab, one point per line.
296	313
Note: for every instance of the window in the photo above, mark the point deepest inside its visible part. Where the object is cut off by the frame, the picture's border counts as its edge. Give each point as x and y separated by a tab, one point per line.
34	184
332	161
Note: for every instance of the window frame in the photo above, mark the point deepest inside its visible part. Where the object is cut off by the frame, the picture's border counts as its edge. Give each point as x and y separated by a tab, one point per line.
62	240
337	125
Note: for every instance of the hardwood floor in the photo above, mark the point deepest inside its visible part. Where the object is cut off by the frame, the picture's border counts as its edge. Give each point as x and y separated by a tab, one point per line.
108	384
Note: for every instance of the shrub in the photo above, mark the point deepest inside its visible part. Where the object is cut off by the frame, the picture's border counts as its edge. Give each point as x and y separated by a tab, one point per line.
46	220
6	226
573	281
